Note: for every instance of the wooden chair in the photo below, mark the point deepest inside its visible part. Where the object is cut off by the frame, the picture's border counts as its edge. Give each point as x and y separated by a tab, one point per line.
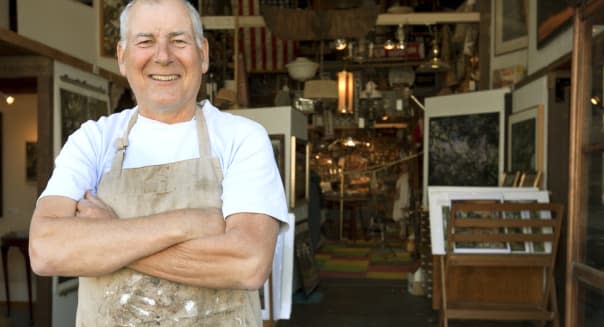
469	223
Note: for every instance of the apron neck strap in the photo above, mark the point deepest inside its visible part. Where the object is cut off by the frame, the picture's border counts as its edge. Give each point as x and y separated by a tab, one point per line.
203	138
122	143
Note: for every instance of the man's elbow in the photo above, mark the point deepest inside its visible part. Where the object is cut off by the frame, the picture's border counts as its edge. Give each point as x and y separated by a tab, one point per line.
256	276
41	264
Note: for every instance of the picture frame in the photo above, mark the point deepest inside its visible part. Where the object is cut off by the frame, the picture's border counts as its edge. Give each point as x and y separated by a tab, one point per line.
510	179
530	179
511	25
308	269
299	171
278	143
109	20
526	143
553	16
441	197
451	147
79	96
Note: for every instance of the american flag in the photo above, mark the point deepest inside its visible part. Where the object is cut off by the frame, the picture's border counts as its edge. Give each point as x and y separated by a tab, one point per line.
262	51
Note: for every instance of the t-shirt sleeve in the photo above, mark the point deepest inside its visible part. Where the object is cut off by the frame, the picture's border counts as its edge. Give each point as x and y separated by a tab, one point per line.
76	166
251	179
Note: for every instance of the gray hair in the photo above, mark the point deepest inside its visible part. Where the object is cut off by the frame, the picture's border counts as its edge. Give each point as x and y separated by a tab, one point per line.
193	15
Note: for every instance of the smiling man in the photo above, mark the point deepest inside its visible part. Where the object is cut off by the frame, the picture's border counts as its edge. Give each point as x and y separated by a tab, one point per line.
169	211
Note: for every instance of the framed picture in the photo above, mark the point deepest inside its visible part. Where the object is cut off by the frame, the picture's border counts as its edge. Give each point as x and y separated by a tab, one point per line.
278	142
299	171
510	179
526	146
440	199
511	25
308	269
553	16
464	139
79	97
530	179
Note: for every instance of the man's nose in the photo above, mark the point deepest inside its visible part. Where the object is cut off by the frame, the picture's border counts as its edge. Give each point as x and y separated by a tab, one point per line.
163	54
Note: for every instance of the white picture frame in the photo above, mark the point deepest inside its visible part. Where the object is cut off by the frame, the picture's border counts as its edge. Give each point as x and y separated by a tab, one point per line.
511	25
439	197
463	107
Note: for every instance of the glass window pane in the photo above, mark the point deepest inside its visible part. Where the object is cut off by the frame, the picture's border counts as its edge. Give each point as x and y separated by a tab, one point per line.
592	302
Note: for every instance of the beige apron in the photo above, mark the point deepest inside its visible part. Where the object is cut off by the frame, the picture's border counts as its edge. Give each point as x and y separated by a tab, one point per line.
129	298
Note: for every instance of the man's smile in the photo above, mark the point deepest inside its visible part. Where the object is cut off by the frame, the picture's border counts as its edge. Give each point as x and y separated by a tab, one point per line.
164	77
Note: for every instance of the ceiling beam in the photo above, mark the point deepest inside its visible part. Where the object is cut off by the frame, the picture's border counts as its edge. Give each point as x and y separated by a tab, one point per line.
228	22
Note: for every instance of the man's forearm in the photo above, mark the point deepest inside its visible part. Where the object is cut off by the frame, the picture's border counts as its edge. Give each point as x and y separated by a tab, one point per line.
76	246
241	258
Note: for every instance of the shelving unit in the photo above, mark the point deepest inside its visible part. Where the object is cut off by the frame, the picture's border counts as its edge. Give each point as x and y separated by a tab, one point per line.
228	22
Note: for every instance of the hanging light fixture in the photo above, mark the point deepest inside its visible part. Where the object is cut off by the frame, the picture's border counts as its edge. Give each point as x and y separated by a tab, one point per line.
8	99
345	91
434	63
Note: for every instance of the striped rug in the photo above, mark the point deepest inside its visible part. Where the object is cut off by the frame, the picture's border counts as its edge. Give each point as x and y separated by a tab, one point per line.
363	259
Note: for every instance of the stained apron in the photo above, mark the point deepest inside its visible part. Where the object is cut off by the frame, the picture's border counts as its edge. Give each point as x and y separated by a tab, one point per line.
130	298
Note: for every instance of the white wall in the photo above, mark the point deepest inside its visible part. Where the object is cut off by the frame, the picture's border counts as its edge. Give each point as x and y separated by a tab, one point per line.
66	25
4	14
19	124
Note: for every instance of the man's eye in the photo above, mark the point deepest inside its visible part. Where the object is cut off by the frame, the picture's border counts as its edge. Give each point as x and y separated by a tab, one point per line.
179	42
143	42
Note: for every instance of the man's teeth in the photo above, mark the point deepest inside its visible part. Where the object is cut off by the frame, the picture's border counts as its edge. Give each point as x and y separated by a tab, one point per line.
164	77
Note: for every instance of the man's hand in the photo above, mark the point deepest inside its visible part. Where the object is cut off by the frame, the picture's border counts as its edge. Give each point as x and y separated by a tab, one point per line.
93	207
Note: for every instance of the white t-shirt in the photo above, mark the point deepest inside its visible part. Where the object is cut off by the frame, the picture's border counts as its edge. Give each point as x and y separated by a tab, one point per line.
251	177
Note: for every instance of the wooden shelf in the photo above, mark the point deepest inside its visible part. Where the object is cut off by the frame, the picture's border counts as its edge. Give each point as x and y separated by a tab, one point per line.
228	22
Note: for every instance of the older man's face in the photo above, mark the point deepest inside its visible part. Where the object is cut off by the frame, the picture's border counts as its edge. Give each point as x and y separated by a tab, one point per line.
161	59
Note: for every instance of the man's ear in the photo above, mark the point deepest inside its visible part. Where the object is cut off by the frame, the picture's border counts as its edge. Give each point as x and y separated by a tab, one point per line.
204	52
120	58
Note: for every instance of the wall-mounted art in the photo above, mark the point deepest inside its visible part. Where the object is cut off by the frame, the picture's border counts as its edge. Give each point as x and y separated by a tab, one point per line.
511	25
553	16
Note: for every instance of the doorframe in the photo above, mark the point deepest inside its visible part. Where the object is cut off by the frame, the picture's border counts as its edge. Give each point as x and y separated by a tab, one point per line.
586	14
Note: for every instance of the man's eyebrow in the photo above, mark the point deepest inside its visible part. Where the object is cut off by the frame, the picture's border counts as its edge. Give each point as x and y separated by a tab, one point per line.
178	33
144	35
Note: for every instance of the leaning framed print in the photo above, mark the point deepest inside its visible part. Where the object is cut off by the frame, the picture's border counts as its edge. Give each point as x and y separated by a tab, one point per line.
299	171
278	143
464	139
526	144
511	25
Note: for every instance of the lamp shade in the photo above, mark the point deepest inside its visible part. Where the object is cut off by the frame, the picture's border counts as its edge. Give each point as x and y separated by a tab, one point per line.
321	89
345	91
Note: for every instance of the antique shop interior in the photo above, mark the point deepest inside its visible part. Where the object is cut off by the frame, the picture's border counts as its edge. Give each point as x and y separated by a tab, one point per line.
441	159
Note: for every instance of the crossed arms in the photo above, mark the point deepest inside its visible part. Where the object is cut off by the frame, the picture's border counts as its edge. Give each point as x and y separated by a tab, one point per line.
190	246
